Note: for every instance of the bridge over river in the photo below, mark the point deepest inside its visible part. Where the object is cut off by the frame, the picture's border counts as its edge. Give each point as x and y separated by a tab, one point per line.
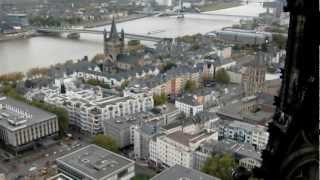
45	30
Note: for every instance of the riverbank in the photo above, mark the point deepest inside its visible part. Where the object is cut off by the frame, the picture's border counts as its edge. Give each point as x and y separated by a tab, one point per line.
219	6
15	36
119	20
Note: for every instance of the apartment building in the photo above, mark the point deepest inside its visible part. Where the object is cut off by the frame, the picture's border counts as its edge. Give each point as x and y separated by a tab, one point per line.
171	82
189	104
245	154
245	133
177	147
124	129
88	108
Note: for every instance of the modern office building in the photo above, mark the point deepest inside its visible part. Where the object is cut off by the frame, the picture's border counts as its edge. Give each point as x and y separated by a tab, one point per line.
95	163
21	125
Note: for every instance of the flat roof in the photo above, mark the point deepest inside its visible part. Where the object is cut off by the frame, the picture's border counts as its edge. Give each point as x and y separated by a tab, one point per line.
178	172
185	138
38	115
95	162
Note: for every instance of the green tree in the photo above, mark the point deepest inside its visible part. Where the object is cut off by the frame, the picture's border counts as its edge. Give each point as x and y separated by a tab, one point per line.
279	40
220	166
160	99
222	76
105	142
62	115
168	66
141	177
95	82
190	86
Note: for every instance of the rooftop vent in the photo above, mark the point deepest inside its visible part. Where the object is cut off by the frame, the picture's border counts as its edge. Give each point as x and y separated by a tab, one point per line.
185	178
85	160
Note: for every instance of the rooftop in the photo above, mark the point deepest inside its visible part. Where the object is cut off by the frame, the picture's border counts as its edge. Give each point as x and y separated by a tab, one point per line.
185	138
20	114
189	99
95	162
178	172
228	146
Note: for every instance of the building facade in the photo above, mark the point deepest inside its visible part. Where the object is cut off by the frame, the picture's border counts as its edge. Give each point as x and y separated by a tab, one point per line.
189	104
21	125
253	78
245	133
113	44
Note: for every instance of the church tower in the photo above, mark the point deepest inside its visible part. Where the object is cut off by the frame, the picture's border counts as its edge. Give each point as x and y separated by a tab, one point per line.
113	44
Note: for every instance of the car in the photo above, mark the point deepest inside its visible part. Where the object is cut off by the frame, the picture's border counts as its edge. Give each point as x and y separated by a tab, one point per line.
33	168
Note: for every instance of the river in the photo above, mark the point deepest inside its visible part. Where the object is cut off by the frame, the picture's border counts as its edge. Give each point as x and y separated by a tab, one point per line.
21	55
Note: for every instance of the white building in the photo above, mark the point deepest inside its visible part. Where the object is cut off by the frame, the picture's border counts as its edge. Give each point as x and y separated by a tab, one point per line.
164	2
245	133
177	147
189	104
88	108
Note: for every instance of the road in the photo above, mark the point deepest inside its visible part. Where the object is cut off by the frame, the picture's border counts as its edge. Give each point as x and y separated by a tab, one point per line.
39	159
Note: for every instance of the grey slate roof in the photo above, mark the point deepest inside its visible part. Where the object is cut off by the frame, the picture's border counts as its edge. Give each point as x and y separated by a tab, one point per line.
241	150
129	58
178	172
188	99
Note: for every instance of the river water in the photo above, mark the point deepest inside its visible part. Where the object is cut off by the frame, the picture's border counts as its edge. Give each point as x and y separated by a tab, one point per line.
21	55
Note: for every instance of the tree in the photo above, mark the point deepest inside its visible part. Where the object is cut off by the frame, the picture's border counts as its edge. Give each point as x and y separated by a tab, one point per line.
279	40
222	76
168	66
105	142
190	86
133	42
63	89
12	77
220	166
160	99
124	84
62	115
141	177
98	57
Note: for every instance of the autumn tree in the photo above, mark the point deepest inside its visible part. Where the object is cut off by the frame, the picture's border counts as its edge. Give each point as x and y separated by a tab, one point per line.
98	57
105	142
220	166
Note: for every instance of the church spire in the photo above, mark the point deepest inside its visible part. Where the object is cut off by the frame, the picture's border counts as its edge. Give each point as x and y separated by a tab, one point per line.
113	32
